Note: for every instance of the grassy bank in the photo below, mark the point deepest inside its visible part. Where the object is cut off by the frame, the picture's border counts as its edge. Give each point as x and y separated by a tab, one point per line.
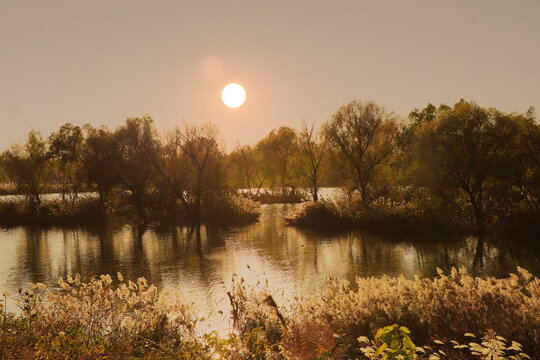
408	217
381	217
108	318
226	210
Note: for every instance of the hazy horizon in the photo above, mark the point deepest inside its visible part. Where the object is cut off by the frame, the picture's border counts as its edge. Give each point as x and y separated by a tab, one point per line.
100	62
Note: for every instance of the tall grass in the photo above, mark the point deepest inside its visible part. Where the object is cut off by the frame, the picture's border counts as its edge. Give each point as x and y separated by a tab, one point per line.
117	319
382	215
225	209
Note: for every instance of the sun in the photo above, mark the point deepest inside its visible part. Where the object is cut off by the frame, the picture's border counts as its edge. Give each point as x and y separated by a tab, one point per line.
233	95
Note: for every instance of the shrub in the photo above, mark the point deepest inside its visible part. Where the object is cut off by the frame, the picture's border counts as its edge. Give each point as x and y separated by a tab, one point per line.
233	209
382	215
318	214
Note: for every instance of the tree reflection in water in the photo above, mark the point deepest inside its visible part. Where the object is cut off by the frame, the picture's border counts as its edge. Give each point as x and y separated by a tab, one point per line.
199	261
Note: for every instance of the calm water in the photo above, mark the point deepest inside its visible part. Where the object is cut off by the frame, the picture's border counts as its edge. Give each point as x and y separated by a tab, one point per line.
200	265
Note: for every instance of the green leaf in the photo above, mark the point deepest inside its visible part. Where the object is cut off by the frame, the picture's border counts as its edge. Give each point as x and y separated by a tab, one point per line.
404	331
380	350
407	343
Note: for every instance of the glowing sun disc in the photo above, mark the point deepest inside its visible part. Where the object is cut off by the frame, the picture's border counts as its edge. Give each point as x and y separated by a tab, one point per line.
233	95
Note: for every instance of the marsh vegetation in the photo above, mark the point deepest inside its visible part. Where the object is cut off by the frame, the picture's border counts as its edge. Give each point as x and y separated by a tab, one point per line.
463	168
106	317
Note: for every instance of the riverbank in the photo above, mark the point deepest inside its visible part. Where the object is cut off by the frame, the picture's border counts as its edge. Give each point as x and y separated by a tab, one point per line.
225	210
405	218
341	322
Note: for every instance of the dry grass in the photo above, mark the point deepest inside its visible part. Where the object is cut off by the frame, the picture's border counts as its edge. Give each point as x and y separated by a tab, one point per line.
117	319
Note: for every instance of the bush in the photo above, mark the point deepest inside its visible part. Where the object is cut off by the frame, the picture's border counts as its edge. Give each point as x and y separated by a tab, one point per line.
382	215
233	209
318	214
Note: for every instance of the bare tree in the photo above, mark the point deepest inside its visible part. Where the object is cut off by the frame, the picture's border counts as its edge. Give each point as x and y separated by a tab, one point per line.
27	165
312	155
203	156
171	167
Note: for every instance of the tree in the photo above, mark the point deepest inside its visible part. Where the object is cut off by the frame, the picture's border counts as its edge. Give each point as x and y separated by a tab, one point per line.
99	155
417	117
517	177
137	144
312	155
172	169
240	159
278	149
463	149
250	167
364	135
65	147
27	165
198	152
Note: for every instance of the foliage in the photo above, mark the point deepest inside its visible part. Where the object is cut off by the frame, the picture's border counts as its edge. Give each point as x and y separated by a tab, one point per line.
395	343
27	166
363	134
384	215
65	149
322	214
462	167
233	208
278	148
470	153
493	347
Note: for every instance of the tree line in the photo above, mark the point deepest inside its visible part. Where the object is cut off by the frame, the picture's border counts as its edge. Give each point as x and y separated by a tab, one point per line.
461	162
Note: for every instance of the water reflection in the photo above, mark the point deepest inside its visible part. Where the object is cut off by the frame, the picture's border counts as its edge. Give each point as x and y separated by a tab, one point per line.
200	261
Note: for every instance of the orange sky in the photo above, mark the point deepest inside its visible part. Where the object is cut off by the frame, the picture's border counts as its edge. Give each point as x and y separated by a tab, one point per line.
99	62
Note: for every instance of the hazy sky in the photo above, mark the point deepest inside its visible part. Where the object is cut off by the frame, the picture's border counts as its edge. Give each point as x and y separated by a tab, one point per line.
99	62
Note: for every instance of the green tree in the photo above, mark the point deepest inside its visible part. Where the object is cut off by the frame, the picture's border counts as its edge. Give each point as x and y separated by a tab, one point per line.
417	117
278	149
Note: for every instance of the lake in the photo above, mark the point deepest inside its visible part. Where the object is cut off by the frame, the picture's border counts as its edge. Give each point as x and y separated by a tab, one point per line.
200	266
